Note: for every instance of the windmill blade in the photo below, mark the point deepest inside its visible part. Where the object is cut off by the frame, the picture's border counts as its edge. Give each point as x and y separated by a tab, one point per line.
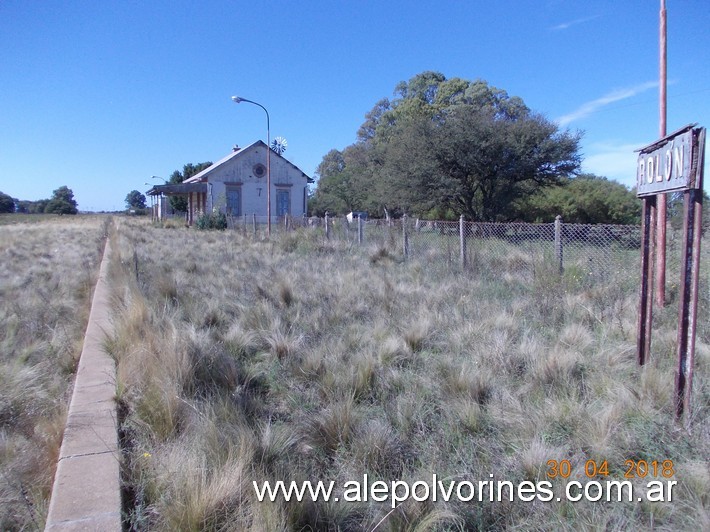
279	145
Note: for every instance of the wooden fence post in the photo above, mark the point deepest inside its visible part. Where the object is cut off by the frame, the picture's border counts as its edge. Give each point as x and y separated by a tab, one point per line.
359	230
462	241
558	243
405	237
327	226
253	222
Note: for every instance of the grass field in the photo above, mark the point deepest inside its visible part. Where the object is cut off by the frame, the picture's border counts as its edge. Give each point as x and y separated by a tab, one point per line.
244	360
49	266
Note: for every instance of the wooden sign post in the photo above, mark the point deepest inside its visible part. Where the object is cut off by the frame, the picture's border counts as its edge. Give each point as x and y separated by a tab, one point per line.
673	163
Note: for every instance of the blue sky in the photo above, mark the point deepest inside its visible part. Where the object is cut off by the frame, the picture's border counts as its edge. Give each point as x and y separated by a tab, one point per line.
100	95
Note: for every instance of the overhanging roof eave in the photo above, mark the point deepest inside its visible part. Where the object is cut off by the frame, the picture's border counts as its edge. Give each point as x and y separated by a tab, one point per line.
177	189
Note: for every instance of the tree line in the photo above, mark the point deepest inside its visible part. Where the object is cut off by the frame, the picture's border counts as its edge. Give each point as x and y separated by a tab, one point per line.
442	148
61	202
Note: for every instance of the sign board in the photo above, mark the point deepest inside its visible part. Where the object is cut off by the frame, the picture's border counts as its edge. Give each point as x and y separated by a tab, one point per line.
671	163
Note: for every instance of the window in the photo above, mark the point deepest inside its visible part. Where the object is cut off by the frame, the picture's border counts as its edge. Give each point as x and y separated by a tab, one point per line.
283	203
259	170
234	201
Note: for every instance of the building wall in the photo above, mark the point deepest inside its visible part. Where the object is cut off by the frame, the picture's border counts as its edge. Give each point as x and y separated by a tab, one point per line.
239	174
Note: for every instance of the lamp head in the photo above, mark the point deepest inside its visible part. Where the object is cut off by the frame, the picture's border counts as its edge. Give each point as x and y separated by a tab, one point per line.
237	99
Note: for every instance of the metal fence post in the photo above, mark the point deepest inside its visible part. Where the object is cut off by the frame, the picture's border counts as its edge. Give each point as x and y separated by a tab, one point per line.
253	222
558	243
462	241
359	230
327	227
405	237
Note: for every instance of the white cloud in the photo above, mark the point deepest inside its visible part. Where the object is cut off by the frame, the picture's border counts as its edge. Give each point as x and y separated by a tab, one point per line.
569	24
613	160
593	106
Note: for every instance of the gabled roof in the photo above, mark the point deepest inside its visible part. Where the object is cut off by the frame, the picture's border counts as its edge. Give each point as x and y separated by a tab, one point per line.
204	173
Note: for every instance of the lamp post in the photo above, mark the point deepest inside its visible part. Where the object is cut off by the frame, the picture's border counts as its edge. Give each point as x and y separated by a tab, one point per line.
238	99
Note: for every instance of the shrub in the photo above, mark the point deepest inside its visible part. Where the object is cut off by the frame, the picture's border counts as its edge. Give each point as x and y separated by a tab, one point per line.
214	220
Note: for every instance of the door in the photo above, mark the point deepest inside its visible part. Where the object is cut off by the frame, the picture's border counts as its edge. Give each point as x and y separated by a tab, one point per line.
234	201
283	203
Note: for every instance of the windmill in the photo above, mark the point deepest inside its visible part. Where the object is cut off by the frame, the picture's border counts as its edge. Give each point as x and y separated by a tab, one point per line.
279	145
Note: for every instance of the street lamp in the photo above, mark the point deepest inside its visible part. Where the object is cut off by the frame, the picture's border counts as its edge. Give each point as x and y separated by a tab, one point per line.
238	99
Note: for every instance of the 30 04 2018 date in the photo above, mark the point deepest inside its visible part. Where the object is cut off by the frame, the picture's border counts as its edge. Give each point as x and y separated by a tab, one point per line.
600	468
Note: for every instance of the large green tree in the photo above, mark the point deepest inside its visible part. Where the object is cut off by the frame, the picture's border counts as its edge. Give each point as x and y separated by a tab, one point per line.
7	204
451	145
135	200
62	202
179	203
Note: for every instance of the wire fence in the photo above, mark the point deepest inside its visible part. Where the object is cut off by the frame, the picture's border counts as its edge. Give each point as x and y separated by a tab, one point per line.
600	252
599	255
520	248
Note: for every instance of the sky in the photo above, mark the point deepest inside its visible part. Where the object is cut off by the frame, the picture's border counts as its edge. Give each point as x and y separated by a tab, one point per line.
101	95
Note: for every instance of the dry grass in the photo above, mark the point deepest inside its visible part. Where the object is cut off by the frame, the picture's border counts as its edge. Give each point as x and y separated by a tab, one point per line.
48	271
243	360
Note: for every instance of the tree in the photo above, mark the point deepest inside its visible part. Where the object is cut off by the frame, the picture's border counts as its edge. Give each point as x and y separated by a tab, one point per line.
342	185
585	199
452	146
7	204
488	161
468	147
62	202
135	200
179	203
32	207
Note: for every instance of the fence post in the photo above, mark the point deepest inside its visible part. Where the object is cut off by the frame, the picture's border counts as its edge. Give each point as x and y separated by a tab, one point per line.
253	222
462	241
558	243
359	230
327	226
405	237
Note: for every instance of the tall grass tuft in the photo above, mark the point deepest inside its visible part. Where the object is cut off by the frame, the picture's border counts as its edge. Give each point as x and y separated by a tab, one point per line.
49	268
292	358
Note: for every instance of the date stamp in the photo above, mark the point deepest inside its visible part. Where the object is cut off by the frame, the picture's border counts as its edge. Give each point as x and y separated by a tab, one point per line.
595	469
618	485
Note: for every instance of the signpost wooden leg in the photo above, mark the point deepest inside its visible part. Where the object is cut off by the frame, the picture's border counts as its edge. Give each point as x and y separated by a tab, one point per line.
648	229
689	280
688	302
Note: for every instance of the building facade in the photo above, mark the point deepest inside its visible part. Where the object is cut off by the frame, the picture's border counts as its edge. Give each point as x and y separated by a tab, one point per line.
237	186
